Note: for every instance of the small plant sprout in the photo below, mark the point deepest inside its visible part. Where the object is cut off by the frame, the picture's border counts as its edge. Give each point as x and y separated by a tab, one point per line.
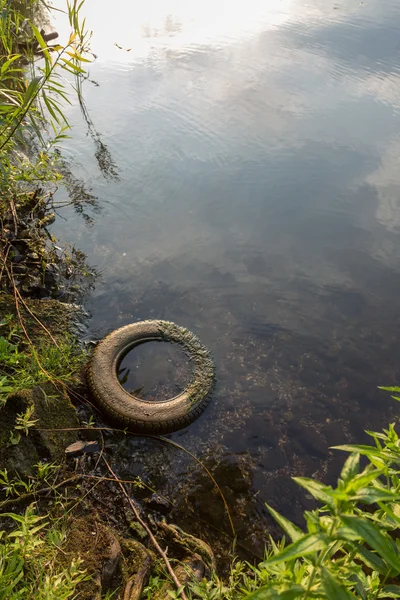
24	422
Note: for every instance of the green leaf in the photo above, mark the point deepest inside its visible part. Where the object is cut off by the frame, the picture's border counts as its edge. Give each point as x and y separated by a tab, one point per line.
43	46
308	544
271	593
372	560
288	527
350	467
389	389
8	63
344	533
364	479
377	457
372	495
333	589
390	511
72	67
360	448
32	89
390	591
318	490
372	535
59	92
49	107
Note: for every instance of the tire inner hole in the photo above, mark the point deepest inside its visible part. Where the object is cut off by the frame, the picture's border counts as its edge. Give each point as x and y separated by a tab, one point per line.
155	370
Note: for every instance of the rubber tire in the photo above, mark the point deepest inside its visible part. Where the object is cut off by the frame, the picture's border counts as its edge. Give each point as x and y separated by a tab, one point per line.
134	413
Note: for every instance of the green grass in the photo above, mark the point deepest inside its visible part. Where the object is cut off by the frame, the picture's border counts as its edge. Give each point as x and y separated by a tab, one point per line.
30	566
23	366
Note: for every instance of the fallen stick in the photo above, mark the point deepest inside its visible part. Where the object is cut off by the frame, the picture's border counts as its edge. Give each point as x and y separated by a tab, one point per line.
151	536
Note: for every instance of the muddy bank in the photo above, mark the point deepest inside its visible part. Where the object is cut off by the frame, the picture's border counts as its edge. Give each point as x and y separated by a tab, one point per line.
32	261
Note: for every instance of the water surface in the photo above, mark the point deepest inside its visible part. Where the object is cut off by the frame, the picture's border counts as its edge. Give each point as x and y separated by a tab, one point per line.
254	200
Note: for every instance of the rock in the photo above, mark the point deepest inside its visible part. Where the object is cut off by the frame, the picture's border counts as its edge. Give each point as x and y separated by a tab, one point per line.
188	544
99	548
111	562
17	257
234	473
195	556
190	569
307	440
20	269
264	429
276	459
53	410
157	503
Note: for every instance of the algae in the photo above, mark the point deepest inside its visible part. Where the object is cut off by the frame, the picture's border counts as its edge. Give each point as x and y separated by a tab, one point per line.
203	379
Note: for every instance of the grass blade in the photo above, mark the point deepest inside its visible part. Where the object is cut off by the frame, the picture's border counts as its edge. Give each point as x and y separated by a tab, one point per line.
288	527
308	544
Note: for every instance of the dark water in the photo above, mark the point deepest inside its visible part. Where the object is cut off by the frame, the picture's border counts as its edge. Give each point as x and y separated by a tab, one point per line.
155	370
255	201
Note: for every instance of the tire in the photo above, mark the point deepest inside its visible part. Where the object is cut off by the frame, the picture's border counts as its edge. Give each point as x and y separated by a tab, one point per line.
140	415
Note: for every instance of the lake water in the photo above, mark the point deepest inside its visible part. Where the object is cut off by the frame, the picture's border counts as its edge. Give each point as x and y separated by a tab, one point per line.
253	196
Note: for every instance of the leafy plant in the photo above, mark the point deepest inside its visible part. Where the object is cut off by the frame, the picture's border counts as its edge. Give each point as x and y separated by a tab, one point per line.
24	422
35	85
46	474
23	366
350	547
14	486
29	564
28	103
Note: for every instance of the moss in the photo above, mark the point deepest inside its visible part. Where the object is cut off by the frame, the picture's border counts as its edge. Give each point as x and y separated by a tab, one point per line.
91	541
204	373
134	555
59	318
138	530
53	410
109	560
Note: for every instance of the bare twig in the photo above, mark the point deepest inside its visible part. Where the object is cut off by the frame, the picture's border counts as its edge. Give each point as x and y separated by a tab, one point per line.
41	492
42	325
4	260
150	534
160	439
14	216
